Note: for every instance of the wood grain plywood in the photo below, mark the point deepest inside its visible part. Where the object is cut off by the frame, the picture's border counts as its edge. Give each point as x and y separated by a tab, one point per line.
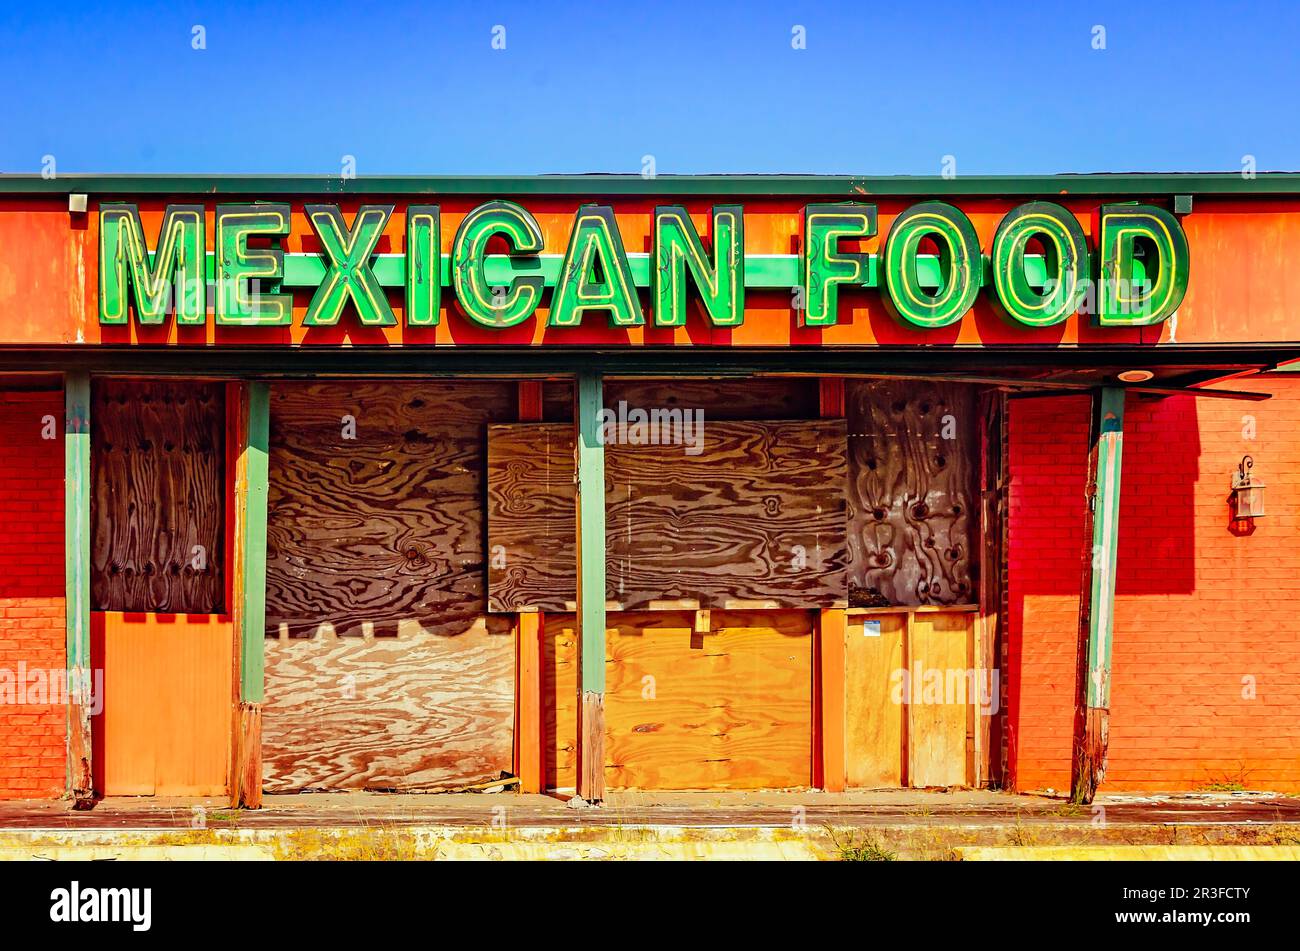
166	720
382	670
874	738
560	701
939	650
531	518
730	709
415	712
772	398
913	462
158	492
757	518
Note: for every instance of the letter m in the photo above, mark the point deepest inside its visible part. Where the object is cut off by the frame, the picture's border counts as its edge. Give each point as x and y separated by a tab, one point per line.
176	270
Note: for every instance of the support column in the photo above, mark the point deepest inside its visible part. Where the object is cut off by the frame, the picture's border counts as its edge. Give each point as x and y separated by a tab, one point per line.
1097	599
76	544
829	767
248	601
529	757
590	469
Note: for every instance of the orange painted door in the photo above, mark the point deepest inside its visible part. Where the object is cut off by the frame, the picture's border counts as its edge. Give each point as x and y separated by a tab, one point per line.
164	725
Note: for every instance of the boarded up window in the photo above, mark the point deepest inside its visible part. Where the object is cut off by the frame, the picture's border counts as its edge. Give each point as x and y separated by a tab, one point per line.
913	524
158	501
753	516
381	670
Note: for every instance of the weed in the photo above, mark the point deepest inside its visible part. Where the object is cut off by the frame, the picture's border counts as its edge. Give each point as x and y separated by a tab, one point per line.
860	847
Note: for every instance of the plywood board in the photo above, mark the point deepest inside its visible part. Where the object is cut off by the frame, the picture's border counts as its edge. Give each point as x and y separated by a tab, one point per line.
770	398
757	518
531	518
730	709
165	725
382	670
940	698
157	496
874	737
414	712
913	466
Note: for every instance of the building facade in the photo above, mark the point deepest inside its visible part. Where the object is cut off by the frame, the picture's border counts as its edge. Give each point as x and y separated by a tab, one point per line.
614	482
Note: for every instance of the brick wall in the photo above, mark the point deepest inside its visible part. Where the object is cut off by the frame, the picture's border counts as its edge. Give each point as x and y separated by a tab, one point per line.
1206	663
32	745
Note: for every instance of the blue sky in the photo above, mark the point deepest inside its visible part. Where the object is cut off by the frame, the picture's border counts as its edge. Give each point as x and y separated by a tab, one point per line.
411	88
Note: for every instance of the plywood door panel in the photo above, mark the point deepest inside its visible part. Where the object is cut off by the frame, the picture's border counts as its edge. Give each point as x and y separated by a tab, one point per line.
165	725
874	737
559	701
125	728
157	499
530	514
939	646
730	709
413	712
757	518
382	670
913	460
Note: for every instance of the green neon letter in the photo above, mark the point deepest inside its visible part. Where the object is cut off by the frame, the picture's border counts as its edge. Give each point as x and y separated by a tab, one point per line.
1134	236
959	265
595	243
1066	264
237	302
347	262
677	246
423	265
825	266
179	262
467	270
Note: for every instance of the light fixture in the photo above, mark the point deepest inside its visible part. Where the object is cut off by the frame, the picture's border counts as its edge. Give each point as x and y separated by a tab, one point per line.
1247	494
1136	376
77	203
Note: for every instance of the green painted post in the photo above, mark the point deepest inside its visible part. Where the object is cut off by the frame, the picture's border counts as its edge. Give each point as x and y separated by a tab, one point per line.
253	629
250	590
76	533
590	467
1097	601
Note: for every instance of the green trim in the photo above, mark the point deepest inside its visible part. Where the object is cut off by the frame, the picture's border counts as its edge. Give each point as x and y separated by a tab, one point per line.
76	527
1109	423
253	630
591	535
824	186
762	271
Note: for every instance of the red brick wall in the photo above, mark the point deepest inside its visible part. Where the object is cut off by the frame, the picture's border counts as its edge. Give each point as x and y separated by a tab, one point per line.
1200	605
32	745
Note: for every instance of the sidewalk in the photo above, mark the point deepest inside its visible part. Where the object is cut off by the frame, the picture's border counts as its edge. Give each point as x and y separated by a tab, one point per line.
901	824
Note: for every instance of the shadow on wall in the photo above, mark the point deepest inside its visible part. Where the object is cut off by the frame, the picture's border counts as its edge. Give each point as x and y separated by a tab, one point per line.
1047	463
1048	467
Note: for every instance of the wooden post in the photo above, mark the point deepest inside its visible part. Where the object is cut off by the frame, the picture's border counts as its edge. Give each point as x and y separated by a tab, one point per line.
249	598
76	542
830	768
529	759
590	469
1097	599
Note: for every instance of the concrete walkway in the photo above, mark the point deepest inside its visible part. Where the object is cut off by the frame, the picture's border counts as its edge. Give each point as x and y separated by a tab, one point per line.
785	825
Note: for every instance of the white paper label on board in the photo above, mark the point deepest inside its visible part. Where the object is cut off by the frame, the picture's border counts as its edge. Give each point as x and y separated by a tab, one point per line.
870	628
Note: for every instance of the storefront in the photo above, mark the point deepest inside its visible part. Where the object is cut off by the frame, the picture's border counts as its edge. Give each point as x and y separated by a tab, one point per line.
648	483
